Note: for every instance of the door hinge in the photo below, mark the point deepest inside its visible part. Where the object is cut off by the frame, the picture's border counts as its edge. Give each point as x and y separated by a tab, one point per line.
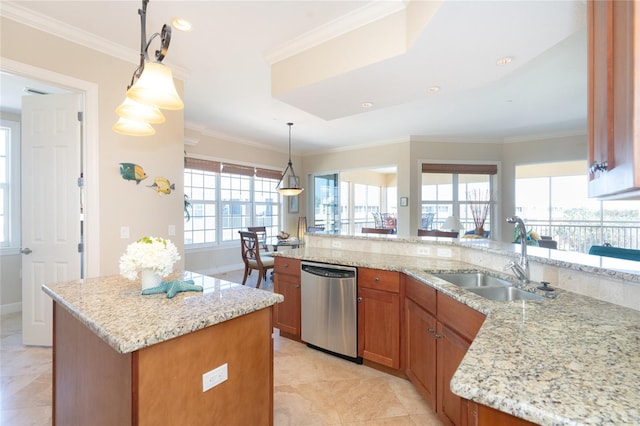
80	248
81	116
81	182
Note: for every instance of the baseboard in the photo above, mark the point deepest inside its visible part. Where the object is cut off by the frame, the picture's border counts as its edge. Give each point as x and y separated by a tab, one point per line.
10	308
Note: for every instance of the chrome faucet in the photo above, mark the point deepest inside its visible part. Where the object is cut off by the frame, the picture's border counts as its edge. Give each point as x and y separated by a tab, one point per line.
521	268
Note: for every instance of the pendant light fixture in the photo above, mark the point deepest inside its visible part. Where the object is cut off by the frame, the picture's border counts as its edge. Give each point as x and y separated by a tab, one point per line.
292	184
151	87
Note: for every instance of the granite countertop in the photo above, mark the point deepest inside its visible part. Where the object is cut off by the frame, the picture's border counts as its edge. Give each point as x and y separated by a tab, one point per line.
113	308
564	361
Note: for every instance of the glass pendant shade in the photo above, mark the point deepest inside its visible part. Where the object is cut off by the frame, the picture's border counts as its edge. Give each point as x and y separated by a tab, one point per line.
290	192
139	112
155	87
128	127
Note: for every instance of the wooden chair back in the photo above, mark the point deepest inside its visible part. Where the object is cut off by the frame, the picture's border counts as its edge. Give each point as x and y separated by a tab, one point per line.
261	231
434	233
250	245
377	231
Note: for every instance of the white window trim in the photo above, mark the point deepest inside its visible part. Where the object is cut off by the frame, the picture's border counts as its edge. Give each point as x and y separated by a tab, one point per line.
14	191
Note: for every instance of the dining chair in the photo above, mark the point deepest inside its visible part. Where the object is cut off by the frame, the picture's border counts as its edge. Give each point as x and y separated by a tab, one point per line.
250	245
377	231
261	231
377	220
435	233
427	220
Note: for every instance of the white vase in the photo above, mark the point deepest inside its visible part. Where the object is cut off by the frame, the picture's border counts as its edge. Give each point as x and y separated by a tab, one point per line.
150	278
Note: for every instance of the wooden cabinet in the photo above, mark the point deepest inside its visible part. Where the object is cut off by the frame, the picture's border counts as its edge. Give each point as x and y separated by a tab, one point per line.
421	350
286	281
438	332
614	98
457	326
481	415
379	316
162	384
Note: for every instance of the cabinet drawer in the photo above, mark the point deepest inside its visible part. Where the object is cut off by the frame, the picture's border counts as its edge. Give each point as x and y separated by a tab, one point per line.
464	320
377	279
422	294
286	266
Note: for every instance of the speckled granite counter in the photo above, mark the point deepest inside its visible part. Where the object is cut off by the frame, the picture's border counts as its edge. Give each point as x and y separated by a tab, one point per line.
112	308
567	361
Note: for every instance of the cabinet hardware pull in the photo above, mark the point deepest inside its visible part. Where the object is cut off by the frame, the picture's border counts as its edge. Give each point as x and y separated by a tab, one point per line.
359	299
431	330
297	286
437	336
376	279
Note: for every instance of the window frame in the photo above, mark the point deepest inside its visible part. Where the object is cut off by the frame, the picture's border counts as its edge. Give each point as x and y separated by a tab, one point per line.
234	171
11	202
455	169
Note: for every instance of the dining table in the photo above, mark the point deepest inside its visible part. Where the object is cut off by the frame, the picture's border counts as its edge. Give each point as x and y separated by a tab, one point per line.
292	242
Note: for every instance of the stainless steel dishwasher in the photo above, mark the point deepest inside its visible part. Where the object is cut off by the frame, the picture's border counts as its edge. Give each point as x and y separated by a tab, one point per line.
329	309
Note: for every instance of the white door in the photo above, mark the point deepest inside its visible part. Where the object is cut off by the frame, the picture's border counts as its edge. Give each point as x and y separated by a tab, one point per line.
50	206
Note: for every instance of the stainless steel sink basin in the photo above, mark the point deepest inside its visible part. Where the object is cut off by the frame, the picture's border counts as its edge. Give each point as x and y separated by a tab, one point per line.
504	293
473	279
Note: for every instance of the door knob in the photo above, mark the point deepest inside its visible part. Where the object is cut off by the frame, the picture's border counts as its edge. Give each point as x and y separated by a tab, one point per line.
359	299
25	250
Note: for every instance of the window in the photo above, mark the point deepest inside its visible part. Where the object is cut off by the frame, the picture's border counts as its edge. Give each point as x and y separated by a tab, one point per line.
552	199
366	200
226	198
9	184
461	190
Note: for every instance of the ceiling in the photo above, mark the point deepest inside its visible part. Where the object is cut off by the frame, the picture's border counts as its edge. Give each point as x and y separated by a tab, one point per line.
328	57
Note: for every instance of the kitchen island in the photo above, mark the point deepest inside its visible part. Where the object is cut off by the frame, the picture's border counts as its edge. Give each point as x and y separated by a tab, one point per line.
123	358
564	361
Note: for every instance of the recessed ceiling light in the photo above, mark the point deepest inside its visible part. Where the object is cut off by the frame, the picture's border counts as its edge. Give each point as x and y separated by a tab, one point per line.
433	89
367	104
181	24
504	61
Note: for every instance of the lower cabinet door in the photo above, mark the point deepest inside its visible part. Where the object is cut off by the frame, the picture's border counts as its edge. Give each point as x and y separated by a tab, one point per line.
379	327
451	350
287	313
421	350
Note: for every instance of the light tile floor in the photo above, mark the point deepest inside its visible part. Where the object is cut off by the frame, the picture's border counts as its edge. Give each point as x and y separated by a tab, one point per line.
311	388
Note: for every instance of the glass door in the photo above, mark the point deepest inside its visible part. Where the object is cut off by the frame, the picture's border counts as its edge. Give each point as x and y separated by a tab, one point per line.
326	202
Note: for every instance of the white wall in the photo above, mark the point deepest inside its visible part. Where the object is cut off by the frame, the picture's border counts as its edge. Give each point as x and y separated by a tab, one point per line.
119	203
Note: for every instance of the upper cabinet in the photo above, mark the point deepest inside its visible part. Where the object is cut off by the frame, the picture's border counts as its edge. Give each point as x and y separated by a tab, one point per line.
614	98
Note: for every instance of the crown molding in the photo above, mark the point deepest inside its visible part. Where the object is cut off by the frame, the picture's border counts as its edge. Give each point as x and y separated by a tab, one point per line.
545	136
224	137
77	36
353	20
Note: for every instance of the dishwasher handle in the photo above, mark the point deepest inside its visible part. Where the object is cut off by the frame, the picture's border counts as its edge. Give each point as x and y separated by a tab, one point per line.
328	272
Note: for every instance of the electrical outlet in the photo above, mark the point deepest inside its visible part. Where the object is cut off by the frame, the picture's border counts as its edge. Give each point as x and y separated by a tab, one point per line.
124	232
444	252
336	244
172	230
424	251
214	377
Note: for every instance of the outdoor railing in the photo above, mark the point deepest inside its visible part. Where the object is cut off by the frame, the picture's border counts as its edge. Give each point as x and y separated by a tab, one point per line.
580	236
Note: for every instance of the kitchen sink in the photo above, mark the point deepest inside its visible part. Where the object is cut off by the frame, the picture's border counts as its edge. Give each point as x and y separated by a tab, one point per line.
504	293
473	279
488	286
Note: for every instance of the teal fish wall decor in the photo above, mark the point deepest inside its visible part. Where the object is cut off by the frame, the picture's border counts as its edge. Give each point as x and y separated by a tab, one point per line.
162	185
130	171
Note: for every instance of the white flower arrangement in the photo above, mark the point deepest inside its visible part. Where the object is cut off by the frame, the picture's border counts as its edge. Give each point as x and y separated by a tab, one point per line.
152	253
